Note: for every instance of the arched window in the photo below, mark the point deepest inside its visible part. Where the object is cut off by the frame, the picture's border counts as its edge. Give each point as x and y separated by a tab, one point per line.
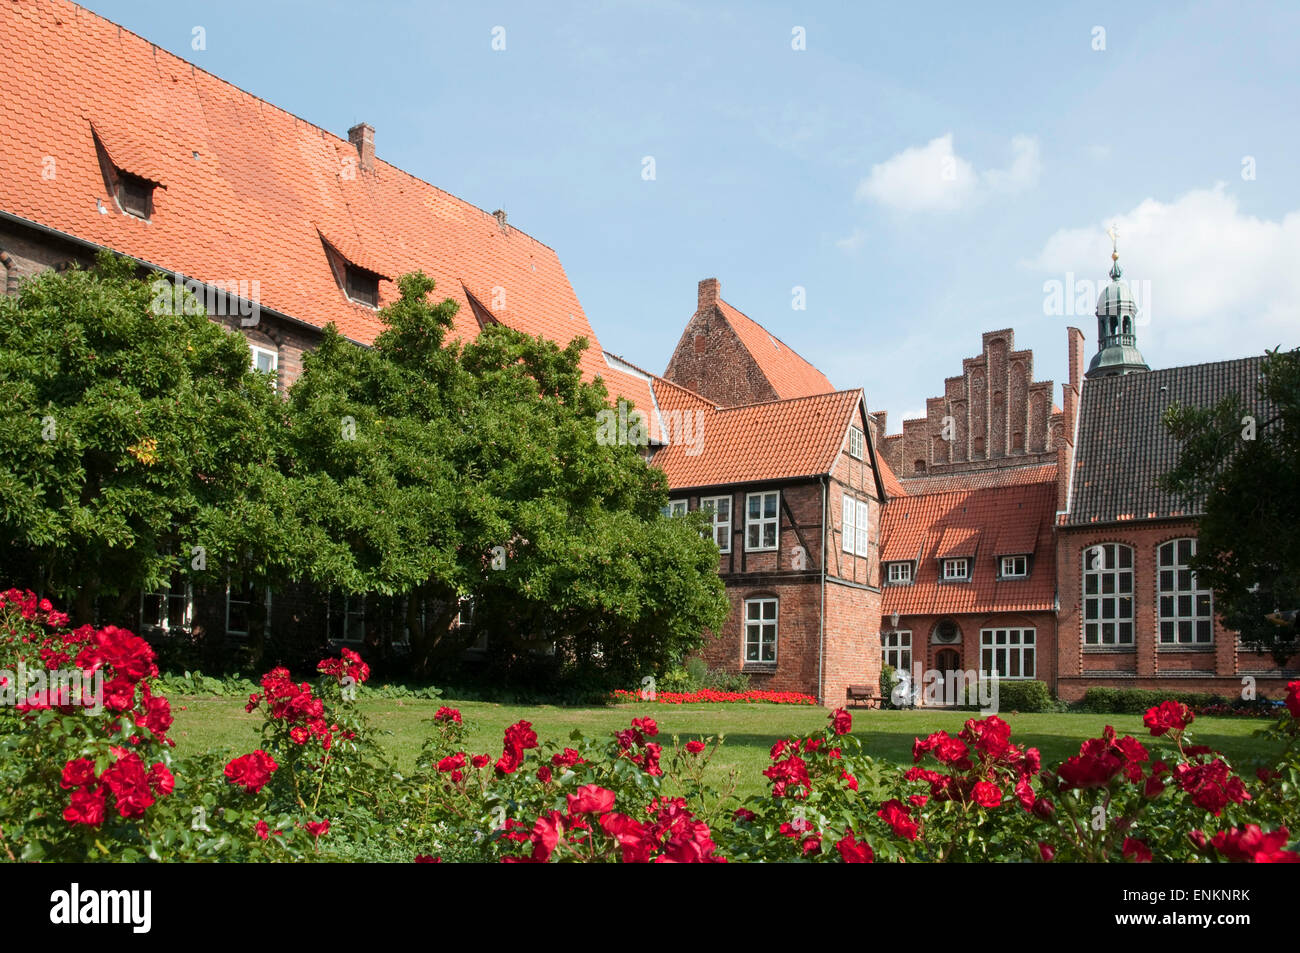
1186	611
1108	594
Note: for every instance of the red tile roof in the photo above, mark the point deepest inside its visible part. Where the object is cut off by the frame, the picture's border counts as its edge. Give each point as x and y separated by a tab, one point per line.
979	479
893	486
972	523
249	188
775	440
788	373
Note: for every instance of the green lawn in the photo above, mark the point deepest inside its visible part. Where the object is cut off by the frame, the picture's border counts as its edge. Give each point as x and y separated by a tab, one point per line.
221	724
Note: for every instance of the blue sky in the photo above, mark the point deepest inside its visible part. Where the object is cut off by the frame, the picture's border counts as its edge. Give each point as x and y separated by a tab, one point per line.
922	172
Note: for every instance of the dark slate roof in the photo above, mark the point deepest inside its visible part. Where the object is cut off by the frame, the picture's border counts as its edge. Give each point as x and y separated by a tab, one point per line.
1123	447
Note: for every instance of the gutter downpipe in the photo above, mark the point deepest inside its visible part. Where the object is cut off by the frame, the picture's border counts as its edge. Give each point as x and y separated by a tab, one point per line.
821	617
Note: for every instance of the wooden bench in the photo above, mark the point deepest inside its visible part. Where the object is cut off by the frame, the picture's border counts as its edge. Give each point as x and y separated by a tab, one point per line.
863	693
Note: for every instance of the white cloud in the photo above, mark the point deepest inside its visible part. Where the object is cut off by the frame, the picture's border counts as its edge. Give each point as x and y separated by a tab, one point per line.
1214	282
934	178
1024	170
929	177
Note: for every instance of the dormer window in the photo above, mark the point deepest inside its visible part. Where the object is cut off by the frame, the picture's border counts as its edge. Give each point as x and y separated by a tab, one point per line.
130	175
1014	567
134	195
358	274
956	570
362	287
900	574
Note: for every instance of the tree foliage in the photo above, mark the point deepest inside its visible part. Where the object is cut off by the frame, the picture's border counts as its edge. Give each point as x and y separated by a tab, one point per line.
440	472
131	432
1247	470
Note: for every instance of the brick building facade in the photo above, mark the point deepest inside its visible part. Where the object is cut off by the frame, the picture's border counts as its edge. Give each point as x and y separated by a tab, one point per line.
135	150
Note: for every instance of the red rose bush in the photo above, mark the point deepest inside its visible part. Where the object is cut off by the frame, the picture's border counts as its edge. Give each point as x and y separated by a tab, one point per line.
88	772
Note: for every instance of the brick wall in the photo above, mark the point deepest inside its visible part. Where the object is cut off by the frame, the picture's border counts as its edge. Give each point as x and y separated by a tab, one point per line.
711	360
1000	415
1146	664
925	650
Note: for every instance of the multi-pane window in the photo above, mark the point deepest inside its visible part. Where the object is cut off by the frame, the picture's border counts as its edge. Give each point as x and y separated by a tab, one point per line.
347	618
1014	567
848	522
761	516
1007	653
169	608
954	569
760	630
856	526
1108	594
896	649
239	602
720	508
856	443
675	508
900	573
1186	614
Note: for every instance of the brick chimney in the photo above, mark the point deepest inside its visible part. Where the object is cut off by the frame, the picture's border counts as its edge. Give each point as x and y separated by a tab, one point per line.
1070	391
362	135
500	216
708	294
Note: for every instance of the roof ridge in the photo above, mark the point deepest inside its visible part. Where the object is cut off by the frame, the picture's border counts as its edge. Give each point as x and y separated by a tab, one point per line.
280	109
764	329
1134	378
791	400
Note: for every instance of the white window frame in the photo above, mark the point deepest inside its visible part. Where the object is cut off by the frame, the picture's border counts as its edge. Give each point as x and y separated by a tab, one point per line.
896	649
855	525
848	522
677	508
763	522
949	567
274	372
229	600
721	525
1176	582
857	443
756	621
999	647
162	622
900	574
1012	574
1105	622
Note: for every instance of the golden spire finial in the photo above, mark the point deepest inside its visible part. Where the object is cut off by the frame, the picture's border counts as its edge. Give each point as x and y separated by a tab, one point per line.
1113	232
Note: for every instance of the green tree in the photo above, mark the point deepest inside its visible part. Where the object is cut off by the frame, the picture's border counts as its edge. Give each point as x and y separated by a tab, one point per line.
135	441
1247	470
434	472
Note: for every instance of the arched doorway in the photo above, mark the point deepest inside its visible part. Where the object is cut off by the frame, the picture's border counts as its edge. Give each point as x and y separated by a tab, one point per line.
947	660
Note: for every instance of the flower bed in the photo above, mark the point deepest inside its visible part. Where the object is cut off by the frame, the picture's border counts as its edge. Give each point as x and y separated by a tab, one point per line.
88	782
712	696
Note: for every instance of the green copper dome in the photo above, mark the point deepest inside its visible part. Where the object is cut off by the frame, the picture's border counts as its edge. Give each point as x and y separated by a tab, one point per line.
1117	312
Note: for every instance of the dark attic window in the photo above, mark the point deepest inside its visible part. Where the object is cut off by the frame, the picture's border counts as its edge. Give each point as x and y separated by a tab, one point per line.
362	286
134	195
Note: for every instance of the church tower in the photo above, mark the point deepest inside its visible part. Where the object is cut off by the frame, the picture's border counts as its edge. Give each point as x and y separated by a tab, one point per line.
1117	351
